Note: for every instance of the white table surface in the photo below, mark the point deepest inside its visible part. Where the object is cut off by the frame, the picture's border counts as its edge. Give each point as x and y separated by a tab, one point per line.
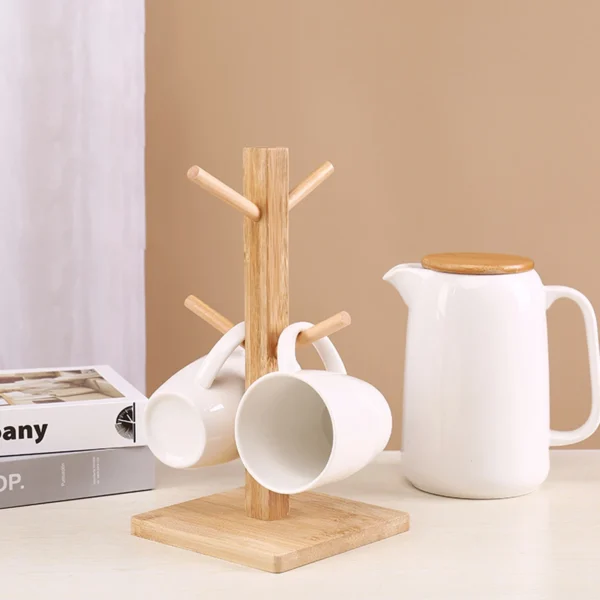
544	545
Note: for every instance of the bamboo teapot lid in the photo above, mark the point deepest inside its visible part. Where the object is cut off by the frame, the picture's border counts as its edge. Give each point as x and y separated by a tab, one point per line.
473	263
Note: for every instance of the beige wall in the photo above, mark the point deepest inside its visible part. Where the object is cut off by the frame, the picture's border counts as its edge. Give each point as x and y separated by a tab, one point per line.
452	125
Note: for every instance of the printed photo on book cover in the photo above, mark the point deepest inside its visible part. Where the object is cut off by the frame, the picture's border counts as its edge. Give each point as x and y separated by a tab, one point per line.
37	387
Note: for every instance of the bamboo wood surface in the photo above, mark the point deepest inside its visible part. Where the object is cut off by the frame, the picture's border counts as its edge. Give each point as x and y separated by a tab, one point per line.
266	274
325	328
472	263
304	188
218	189
222	324
319	526
208	314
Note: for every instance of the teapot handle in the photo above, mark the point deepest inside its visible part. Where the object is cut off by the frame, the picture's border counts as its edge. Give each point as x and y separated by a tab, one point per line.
563	438
286	351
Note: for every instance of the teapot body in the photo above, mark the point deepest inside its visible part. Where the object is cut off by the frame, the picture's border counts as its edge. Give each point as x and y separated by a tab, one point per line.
476	386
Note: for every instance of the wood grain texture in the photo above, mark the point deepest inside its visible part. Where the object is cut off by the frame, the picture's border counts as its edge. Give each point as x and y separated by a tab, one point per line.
266	278
468	263
208	314
319	526
223	192
304	188
325	328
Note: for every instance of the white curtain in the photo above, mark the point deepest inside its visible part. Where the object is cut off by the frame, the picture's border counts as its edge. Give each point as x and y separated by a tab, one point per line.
72	184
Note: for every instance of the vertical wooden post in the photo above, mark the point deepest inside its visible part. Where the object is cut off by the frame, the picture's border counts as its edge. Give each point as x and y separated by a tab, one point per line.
266	273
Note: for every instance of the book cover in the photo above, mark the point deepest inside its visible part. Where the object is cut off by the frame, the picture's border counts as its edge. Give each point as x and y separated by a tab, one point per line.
41	478
68	409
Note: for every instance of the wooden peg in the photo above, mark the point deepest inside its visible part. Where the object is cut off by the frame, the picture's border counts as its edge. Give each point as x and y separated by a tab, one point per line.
218	189
208	314
309	184
325	328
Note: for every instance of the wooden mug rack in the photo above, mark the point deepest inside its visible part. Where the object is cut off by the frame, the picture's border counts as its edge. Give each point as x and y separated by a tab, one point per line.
252	525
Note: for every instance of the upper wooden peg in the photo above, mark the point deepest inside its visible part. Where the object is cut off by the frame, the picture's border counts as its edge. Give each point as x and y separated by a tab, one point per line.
218	189
309	184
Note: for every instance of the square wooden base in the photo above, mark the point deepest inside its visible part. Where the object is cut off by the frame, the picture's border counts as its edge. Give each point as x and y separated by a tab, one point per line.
318	526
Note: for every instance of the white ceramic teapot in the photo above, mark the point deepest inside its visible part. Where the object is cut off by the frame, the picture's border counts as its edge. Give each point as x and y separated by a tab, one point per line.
476	387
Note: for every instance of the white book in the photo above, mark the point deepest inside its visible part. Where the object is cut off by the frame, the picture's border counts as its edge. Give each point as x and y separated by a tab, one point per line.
68	409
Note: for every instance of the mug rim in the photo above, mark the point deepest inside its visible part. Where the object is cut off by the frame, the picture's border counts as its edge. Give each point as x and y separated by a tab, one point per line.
180	464
297	376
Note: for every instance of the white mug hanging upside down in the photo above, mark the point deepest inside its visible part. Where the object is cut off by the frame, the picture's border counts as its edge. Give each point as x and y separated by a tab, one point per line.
190	417
299	429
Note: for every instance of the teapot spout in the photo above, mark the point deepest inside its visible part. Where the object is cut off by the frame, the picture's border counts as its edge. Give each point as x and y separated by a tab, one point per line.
407	279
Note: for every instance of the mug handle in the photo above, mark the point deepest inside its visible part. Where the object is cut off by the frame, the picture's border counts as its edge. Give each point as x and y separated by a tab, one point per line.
286	351
563	438
220	352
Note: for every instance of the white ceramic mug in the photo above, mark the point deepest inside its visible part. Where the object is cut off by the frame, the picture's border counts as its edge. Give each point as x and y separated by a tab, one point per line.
190	418
298	429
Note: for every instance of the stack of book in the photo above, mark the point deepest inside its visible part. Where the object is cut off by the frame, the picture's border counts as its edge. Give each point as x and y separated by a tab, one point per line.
70	433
